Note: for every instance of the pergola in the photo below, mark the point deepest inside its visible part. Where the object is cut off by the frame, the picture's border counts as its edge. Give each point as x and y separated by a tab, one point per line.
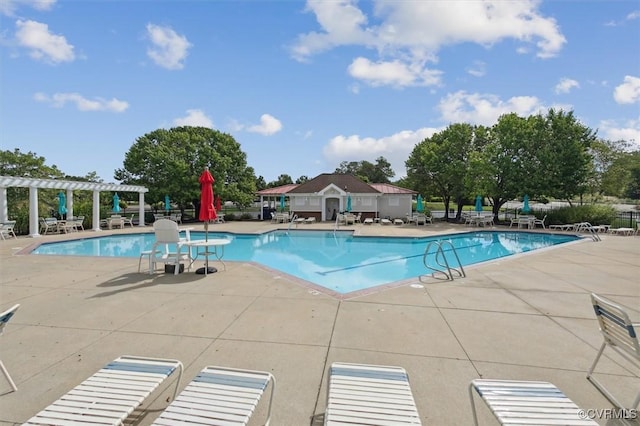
69	186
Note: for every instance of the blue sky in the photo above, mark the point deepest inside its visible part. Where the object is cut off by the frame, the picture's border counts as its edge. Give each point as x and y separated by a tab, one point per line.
300	85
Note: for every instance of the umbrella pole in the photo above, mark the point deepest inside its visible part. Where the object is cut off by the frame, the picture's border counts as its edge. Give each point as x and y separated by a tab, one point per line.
206	270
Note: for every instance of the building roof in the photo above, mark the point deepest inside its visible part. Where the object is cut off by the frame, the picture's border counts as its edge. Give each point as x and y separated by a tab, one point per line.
278	190
387	188
348	183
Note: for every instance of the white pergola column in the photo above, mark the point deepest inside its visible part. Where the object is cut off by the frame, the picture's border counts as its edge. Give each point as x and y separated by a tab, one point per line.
141	208
34	226
96	210
4	207
69	203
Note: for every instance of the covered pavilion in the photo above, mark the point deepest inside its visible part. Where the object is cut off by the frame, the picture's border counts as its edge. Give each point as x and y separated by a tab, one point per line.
34	184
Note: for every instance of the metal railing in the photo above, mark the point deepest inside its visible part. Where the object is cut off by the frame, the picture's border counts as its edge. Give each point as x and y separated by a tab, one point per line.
442	264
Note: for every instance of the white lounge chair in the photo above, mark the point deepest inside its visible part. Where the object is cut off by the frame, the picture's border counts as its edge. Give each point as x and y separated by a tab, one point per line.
620	335
4	319
362	394
6	229
219	396
167	234
368	221
526	403
309	220
110	395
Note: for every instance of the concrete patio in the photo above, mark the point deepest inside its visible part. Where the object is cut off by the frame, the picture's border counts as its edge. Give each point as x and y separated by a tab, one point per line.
526	317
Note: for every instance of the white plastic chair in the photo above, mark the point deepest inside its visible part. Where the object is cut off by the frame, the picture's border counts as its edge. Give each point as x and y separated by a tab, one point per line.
4	319
167	233
6	229
540	222
620	335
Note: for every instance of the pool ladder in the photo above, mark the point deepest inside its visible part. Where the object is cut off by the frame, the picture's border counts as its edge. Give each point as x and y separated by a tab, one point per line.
291	222
586	226
442	264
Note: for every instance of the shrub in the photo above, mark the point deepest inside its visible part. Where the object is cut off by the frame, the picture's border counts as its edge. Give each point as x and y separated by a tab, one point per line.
229	217
244	216
594	214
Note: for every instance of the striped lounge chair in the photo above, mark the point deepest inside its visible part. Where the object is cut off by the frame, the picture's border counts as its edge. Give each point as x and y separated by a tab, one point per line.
4	319
110	395
219	396
515	402
362	394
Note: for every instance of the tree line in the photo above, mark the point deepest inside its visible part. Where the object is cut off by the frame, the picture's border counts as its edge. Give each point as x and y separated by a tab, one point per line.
545	156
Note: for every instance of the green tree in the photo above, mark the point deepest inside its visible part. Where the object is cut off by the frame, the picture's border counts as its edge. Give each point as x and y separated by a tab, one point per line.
380	172
283	179
539	156
261	183
439	164
302	179
564	160
169	162
30	165
633	187
614	163
504	168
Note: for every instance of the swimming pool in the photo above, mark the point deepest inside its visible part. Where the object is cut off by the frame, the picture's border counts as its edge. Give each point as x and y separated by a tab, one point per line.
338	261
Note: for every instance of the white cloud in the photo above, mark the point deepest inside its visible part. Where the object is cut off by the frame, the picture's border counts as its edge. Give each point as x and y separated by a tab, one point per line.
169	49
8	7
414	31
42	44
633	15
395	148
195	118
393	73
268	125
478	69
565	85
615	131
629	91
59	100
485	109
341	21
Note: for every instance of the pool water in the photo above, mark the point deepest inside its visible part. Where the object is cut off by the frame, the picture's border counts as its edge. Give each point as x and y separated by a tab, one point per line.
337	261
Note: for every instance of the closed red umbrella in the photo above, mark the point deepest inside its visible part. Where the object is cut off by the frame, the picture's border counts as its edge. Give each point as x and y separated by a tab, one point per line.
218	204
207	212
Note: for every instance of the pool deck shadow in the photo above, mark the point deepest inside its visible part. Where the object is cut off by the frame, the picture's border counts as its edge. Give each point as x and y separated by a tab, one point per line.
525	317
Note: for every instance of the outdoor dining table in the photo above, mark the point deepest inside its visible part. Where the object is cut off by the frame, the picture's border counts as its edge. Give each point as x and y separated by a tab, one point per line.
115	222
526	221
214	246
282	217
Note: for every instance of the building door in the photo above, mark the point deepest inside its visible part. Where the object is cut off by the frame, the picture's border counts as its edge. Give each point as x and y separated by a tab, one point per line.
332	207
